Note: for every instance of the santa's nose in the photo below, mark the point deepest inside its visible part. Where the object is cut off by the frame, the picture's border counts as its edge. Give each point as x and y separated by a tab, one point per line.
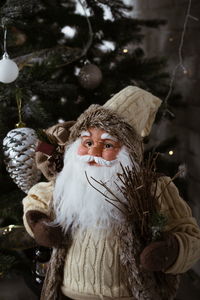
95	151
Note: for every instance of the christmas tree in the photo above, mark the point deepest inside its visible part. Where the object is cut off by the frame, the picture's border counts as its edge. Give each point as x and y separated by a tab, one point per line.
69	54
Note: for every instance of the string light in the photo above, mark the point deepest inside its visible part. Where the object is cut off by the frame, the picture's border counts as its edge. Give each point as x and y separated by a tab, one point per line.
89	43
61	120
180	64
63	100
125	50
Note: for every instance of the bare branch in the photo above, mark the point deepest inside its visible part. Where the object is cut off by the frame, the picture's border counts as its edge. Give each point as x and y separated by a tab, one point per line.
109	200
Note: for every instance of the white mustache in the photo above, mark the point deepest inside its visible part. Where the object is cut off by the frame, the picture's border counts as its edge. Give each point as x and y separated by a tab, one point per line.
96	159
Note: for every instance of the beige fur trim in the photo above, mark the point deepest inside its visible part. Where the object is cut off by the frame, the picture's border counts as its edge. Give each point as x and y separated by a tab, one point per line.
104	118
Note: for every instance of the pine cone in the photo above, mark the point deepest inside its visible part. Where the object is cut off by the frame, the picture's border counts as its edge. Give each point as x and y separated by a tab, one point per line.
19	151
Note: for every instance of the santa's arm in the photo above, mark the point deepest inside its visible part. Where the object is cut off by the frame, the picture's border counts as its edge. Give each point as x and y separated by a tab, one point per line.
38	215
181	224
38	199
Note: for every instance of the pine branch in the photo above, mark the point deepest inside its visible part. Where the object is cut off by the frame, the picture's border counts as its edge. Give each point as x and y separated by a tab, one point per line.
15	237
35	111
20	11
63	54
13	261
7	262
118	8
10	205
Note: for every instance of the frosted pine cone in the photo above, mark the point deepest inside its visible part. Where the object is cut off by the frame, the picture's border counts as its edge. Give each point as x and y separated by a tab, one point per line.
19	151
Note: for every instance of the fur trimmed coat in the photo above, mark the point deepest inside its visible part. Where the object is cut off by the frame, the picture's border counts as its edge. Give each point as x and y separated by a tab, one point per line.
142	285
180	223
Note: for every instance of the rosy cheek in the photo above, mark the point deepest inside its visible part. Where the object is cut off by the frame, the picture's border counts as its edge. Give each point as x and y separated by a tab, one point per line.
110	154
82	150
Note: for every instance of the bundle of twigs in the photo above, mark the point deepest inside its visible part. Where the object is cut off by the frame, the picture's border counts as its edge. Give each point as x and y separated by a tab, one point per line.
143	224
138	186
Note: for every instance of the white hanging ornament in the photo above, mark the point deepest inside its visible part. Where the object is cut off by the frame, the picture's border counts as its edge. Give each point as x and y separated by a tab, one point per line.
8	69
19	151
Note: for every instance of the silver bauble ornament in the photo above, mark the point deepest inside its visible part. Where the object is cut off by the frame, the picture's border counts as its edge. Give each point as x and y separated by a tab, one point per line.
8	69
90	77
19	151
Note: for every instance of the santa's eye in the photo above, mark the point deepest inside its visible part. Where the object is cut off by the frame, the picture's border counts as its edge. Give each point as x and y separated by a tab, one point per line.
88	143
108	145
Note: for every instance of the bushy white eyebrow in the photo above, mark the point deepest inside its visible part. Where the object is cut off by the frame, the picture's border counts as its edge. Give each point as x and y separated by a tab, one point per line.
85	133
107	136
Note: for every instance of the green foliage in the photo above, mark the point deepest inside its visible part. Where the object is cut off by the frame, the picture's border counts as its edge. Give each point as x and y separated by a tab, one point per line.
11	206
158	222
49	62
15	237
7	262
13	261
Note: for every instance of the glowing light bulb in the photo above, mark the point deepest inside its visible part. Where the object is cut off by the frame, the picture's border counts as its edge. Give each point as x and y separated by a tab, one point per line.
171	152
125	50
61	120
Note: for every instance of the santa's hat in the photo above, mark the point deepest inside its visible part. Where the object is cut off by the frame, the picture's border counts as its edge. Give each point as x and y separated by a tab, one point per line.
128	115
137	106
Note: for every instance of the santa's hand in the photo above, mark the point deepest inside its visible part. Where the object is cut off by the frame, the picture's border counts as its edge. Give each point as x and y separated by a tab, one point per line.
159	256
45	234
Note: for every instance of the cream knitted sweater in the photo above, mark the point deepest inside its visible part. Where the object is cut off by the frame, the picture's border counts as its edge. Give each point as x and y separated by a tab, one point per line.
92	268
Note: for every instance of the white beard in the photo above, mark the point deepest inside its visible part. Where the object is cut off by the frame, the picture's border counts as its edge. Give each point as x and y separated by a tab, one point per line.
76	202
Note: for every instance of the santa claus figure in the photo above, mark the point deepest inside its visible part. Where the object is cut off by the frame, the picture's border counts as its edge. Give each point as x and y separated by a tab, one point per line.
84	212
